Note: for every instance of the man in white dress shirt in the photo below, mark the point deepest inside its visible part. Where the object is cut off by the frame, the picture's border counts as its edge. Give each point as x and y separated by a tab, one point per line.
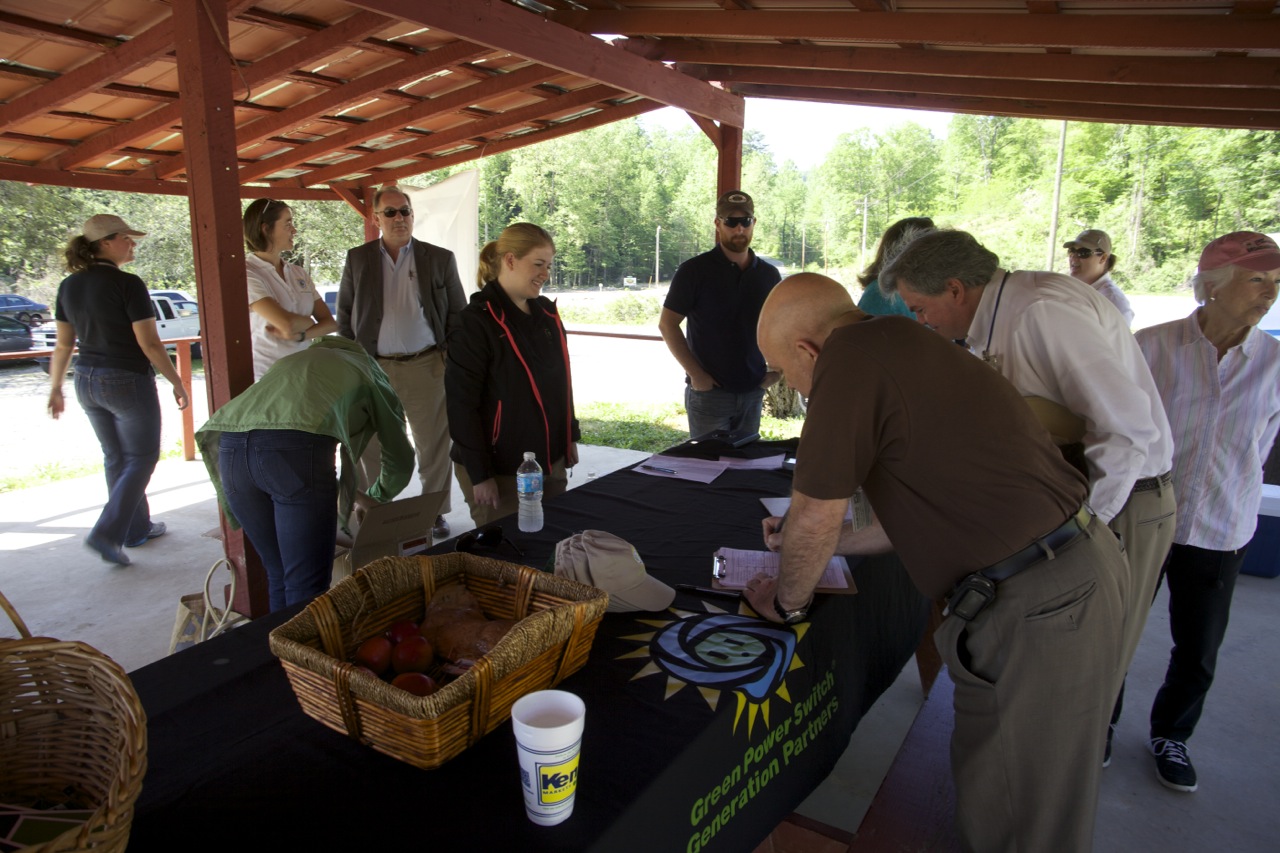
1069	353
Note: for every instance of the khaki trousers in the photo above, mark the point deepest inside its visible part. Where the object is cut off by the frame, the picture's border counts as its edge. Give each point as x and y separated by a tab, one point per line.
554	482
1145	528
419	383
1035	674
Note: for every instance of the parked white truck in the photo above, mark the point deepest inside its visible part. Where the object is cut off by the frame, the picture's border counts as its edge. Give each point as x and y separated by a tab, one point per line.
175	319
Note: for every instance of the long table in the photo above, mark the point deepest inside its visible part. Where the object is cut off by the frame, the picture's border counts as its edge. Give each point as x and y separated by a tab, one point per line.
705	726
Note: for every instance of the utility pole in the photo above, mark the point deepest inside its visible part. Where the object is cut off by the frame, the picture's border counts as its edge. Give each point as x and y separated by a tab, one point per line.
1057	194
657	252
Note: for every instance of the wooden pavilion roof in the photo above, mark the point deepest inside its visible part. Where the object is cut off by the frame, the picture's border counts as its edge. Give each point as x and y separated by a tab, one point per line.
335	96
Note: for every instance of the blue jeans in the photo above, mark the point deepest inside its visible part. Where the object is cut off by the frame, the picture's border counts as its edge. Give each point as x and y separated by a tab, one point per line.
1201	583
720	409
124	409
282	487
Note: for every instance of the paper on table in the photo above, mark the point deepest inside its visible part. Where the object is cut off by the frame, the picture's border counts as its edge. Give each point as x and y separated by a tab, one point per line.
681	468
764	463
739	566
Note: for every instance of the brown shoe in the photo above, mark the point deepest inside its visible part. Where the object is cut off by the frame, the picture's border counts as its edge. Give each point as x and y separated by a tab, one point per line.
441	528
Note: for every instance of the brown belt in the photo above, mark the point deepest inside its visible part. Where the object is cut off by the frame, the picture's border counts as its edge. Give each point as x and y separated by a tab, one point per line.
1150	483
409	356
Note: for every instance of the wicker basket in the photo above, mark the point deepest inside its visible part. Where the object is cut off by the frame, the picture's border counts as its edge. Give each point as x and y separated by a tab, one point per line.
557	624
72	735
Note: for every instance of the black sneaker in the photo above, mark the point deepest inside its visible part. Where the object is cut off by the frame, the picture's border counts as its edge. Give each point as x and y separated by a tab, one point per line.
1173	767
1106	755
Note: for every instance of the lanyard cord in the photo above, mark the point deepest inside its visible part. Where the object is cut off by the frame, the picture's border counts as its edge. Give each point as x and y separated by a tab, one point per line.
991	330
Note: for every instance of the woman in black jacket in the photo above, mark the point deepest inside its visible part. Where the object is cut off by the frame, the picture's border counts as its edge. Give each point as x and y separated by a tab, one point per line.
507	382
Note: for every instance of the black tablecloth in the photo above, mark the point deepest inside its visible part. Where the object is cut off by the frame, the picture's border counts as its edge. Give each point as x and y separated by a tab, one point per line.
704	728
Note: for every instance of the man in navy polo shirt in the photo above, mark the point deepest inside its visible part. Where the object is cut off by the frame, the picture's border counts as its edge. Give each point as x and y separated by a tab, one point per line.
721	292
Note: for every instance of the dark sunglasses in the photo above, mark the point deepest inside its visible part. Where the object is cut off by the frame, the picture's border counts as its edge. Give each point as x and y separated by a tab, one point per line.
490	538
1081	252
738	221
390	212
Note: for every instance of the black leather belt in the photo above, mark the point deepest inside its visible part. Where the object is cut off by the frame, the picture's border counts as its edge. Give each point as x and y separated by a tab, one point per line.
1149	483
1039	549
409	356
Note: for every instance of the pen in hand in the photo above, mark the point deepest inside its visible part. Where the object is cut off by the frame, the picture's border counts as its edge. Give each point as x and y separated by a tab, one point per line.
656	468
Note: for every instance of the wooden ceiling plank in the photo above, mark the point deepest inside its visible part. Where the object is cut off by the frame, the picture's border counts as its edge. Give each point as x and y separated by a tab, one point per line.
1206	97
605	116
301	26
403	72
525	34
123	182
1025	108
268	68
1155	31
23	26
1162	70
448	102
520	115
93	75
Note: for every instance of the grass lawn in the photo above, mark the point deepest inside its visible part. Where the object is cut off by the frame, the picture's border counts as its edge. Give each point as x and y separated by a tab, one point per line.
655	427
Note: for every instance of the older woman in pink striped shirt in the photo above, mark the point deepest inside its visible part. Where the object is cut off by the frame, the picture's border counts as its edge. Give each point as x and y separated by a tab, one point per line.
1219	379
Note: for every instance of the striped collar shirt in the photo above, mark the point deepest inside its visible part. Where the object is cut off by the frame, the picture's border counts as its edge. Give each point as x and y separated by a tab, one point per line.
1224	415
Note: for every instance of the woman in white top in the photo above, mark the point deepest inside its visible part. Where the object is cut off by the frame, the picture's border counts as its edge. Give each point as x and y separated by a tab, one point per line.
1091	260
285	311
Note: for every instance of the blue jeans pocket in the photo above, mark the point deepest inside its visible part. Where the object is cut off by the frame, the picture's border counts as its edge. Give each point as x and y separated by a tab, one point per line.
285	472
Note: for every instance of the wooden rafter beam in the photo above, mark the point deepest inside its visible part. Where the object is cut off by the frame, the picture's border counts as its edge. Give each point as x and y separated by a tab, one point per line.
95	74
523	33
1261	119
295	25
511	118
73	36
608	115
124	182
1225	72
1202	97
523	78
1123	32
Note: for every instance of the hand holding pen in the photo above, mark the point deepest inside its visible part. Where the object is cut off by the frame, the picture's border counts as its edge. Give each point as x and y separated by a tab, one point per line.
772	527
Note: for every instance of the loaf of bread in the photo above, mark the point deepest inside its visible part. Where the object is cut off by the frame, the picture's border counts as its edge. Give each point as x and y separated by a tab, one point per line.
457	627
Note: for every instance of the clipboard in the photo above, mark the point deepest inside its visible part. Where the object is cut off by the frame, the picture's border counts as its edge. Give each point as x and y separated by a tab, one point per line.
731	568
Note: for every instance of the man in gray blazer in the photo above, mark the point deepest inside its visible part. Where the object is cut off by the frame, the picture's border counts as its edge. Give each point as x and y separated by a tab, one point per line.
398	299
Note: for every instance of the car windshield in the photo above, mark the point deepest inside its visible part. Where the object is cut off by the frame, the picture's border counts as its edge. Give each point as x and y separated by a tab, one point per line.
186	309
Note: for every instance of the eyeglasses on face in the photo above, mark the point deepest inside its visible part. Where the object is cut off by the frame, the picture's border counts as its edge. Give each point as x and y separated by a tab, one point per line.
392	212
490	538
1083	252
738	221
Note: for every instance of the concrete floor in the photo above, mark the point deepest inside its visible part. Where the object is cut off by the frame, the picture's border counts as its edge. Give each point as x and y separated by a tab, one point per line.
63	590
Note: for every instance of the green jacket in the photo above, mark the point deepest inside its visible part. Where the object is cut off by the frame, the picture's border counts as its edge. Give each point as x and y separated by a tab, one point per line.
331	388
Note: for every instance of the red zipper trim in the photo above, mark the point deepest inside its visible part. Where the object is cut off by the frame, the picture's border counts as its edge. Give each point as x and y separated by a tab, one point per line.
497	424
537	394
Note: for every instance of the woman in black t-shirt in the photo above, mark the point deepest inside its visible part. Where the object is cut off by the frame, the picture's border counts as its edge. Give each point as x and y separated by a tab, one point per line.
110	312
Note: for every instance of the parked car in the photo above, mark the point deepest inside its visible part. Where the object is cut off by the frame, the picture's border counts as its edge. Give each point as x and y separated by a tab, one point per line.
330	297
14	336
174	319
22	309
175	295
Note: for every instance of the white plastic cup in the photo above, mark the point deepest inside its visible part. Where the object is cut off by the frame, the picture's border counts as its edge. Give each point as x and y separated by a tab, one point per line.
548	727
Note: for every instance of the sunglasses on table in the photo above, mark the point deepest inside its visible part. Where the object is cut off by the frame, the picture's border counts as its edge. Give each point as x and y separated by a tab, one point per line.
738	221
391	212
1081	252
486	538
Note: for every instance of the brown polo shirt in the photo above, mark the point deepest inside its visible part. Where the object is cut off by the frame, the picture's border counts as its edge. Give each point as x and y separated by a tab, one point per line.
956	466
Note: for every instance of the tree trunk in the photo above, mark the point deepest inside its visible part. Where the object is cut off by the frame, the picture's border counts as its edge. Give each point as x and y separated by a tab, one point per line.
783	401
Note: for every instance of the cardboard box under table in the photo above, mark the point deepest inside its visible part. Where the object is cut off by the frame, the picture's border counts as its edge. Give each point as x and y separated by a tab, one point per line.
557	623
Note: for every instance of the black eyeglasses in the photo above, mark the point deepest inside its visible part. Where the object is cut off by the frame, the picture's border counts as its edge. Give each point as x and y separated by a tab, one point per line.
390	212
490	538
738	221
1083	252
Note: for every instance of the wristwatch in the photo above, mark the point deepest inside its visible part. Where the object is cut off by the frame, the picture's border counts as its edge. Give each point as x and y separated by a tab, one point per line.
302	337
790	617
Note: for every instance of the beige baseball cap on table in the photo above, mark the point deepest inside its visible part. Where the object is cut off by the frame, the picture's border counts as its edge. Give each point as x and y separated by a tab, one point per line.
609	562
106	224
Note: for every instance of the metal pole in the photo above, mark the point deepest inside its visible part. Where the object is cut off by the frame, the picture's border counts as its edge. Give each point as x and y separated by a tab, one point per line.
1057	194
657	252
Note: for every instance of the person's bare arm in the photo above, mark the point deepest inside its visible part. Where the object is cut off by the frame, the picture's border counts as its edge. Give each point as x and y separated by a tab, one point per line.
58	367
148	337
809	540
282	323
669	327
324	322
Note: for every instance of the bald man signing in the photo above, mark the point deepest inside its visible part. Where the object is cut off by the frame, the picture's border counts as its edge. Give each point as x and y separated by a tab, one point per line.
970	490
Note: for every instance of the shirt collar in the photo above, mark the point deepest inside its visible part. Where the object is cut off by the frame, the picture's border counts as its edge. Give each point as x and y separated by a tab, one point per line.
1193	334
980	326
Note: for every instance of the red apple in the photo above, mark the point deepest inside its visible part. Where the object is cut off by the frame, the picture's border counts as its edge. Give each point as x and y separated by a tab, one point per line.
412	654
401	630
416	683
374	653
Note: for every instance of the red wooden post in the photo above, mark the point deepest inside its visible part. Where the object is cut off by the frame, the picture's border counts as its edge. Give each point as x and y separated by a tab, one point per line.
208	126
729	167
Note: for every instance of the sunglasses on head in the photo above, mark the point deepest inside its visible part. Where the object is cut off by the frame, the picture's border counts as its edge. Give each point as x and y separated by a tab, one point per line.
390	212
1083	252
490	538
738	221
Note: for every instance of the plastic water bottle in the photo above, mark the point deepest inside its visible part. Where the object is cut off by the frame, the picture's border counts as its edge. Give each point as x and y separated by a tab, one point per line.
529	487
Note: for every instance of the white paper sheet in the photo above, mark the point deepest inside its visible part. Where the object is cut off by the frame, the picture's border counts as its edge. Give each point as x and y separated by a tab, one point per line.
764	463
681	468
741	566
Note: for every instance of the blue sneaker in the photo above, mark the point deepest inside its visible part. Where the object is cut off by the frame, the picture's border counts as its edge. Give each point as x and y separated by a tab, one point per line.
158	529
1173	767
